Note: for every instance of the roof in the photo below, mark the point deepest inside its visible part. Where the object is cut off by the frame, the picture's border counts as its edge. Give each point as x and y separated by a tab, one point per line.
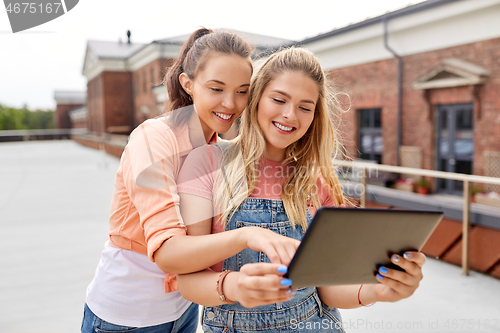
70	97
177	40
261	43
425	5
113	50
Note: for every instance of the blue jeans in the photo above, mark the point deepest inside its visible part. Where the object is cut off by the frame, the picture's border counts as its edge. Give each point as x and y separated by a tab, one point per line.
187	323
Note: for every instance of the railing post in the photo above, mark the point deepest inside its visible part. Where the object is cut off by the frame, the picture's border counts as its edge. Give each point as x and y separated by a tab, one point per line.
465	229
362	198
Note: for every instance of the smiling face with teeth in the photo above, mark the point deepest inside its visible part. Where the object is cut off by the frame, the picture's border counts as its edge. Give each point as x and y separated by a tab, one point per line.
219	91
286	110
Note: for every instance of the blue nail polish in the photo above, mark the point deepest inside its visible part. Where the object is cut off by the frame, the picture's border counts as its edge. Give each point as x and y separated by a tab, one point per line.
380	276
383	270
407	255
282	269
286	282
395	258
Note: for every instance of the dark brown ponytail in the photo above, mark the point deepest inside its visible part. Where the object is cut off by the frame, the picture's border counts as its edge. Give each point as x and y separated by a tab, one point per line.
191	58
177	96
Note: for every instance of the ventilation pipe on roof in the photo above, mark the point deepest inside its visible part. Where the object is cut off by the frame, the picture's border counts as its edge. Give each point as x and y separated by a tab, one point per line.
400	88
128	35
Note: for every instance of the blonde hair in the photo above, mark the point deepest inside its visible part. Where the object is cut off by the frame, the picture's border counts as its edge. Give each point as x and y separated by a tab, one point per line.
308	157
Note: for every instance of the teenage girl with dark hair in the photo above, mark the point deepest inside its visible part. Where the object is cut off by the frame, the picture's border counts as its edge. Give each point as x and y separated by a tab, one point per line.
207	87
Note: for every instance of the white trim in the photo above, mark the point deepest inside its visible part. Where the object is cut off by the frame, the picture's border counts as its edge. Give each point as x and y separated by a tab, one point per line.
70	101
93	66
448	83
109	65
70	97
467	74
466	67
90	59
453	24
151	53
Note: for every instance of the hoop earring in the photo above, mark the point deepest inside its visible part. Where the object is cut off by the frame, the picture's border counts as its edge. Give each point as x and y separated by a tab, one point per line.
190	98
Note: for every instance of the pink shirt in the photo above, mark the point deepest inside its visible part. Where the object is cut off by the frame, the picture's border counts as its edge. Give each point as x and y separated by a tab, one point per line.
198	174
145	207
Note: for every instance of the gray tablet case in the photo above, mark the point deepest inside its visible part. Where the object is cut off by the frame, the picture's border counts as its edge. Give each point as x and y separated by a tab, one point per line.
347	245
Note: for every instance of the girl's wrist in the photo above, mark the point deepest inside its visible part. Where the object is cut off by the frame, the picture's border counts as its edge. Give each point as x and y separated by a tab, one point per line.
238	239
242	237
229	287
367	295
246	235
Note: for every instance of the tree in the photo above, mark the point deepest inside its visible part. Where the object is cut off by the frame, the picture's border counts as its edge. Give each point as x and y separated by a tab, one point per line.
19	119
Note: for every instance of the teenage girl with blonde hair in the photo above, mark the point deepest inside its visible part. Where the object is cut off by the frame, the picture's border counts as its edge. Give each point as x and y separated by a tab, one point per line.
207	87
288	136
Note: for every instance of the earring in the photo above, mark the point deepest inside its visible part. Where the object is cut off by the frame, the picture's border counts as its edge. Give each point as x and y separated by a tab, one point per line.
292	154
190	98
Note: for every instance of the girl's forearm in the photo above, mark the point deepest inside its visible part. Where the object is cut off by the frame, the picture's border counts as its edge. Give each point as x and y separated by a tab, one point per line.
186	254
346	297
200	287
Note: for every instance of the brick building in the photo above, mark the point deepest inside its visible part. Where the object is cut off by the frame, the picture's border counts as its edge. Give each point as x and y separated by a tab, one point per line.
421	79
66	102
109	86
123	79
424	87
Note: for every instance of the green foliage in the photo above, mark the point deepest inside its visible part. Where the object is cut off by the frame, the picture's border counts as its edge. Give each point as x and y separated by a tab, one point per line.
422	182
475	190
19	119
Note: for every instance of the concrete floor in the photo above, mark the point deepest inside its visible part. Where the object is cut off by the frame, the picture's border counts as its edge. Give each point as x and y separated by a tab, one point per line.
54	206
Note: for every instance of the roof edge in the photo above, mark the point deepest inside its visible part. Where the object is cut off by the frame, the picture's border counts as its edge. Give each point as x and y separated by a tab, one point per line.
400	12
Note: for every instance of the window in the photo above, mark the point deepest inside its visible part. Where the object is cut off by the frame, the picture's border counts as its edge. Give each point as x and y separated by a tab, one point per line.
370	141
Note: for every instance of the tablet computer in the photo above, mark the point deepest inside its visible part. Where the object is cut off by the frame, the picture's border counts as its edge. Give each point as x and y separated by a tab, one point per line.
347	245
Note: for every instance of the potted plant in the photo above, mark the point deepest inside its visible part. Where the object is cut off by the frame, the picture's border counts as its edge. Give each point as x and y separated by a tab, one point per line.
473	191
423	186
490	199
405	184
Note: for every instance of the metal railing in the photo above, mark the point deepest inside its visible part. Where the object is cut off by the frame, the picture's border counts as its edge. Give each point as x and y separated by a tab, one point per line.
27	135
466	179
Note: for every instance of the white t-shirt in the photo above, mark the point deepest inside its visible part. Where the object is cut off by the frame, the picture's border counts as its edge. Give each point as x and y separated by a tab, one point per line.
128	289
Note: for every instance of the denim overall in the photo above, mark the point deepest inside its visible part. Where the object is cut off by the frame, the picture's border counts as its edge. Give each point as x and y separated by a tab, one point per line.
305	312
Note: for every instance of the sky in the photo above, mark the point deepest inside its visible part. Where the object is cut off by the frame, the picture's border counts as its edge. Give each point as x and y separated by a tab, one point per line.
36	62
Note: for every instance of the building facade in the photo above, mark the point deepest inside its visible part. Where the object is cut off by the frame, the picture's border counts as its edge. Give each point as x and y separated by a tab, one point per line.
424	85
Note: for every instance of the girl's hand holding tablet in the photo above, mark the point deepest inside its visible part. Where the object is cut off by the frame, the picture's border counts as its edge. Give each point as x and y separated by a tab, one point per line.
396	285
